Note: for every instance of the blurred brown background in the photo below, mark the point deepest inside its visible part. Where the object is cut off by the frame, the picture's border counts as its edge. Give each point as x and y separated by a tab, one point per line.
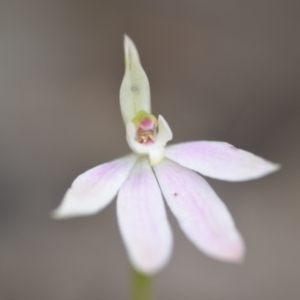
219	70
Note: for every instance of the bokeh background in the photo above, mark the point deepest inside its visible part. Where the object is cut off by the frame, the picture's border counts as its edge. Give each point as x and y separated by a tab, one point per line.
219	70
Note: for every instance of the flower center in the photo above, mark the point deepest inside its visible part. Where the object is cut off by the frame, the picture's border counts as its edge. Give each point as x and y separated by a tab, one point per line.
146	136
146	125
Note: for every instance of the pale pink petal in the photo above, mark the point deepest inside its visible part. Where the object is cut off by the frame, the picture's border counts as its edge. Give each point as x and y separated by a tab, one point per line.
220	160
201	214
96	188
142	220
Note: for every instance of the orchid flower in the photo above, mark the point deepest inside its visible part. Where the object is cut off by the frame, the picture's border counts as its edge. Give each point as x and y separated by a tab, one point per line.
141	179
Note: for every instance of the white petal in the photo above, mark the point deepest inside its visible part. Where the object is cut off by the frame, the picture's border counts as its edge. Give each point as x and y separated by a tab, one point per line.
164	132
135	90
96	188
201	214
155	150
220	160
142	220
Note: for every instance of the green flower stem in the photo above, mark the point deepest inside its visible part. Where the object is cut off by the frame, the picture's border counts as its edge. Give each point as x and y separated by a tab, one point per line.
142	286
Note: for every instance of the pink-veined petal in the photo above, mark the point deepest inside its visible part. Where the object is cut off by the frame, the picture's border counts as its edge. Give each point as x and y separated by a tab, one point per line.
220	160
142	220
201	214
93	190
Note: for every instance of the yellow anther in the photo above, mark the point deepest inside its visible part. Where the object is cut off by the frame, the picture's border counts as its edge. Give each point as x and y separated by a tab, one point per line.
143	139
151	138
